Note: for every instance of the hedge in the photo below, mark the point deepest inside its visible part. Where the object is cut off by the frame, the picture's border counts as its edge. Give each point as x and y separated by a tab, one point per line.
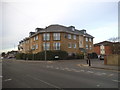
50	55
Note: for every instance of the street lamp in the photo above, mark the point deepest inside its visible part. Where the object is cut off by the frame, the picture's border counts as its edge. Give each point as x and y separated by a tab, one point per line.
45	45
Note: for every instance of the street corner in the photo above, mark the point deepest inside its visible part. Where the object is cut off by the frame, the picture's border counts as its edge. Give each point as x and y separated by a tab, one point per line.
80	65
50	61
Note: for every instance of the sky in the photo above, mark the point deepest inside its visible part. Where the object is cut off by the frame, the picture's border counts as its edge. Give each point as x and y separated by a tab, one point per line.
19	17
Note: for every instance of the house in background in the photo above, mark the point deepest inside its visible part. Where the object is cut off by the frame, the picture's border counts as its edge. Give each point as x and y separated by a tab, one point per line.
107	48
57	37
11	54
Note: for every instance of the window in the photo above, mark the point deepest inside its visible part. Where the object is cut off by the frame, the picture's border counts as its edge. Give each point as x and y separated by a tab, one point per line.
46	36
56	36
86	46
69	36
74	45
36	37
90	39
56	46
46	46
90	47
86	39
73	29
33	47
74	37
36	46
69	45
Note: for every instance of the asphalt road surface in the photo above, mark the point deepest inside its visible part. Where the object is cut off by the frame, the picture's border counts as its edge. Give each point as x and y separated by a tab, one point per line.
23	74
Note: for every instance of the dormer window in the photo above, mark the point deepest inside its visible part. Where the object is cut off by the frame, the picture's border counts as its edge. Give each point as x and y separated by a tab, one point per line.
84	32
73	29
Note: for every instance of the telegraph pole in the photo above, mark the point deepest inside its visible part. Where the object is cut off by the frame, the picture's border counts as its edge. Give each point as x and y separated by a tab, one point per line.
45	44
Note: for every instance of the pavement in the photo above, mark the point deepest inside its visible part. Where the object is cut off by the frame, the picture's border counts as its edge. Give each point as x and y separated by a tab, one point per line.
99	64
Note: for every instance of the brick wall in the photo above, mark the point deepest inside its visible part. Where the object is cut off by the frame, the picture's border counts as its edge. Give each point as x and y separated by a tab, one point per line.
97	49
113	59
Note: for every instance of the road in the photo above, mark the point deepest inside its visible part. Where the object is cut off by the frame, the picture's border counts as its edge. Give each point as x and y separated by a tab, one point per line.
23	74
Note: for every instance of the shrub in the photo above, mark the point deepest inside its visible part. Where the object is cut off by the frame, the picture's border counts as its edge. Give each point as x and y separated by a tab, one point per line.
20	56
93	55
79	56
62	54
50	55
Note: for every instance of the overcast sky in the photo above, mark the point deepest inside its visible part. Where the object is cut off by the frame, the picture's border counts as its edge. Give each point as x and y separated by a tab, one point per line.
19	17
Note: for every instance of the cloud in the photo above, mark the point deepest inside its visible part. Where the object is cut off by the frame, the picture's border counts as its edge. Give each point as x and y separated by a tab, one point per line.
104	32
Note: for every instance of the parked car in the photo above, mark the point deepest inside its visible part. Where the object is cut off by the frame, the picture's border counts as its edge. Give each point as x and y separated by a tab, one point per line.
101	57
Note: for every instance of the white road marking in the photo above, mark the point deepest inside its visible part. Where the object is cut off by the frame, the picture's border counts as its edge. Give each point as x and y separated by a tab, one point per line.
69	70
73	69
98	73
57	68
82	70
1	76
44	82
7	79
98	85
66	68
115	80
62	69
103	73
77	71
90	72
110	74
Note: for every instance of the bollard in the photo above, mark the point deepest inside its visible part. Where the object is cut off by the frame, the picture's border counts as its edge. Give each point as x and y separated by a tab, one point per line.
89	63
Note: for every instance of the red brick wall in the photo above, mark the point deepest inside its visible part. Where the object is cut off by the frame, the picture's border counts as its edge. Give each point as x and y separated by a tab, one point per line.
97	49
108	50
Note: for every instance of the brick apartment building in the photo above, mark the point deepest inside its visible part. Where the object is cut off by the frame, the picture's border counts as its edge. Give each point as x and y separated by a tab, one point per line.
107	48
57	37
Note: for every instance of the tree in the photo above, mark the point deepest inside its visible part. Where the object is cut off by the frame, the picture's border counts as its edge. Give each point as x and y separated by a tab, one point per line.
3	54
114	39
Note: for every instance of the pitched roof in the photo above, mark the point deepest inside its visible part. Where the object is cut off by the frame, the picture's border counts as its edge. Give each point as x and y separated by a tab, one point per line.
61	28
58	28
103	43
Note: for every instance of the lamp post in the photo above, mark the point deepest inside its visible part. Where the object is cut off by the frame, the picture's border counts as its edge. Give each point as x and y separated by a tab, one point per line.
45	45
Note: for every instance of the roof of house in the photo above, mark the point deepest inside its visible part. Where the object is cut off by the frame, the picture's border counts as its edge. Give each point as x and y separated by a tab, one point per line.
103	43
59	28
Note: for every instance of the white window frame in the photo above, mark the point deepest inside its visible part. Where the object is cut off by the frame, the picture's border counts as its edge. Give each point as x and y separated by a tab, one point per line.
33	47
46	46
69	36
36	46
36	37
74	37
87	46
46	36
86	39
90	39
56	36
56	45
90	47
69	45
74	45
